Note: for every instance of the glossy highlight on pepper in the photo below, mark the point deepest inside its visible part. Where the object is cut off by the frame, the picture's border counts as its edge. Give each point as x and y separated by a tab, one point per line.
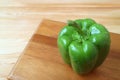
84	44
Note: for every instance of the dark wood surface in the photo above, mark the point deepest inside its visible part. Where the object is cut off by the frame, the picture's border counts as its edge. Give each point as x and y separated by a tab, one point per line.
41	59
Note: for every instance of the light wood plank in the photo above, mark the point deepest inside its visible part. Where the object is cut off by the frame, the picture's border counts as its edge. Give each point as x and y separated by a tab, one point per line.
107	15
38	2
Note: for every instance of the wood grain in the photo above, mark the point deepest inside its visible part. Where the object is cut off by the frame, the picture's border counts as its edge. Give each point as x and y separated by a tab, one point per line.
28	2
41	59
107	14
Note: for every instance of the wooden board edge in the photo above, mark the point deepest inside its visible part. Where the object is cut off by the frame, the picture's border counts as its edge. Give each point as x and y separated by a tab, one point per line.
10	75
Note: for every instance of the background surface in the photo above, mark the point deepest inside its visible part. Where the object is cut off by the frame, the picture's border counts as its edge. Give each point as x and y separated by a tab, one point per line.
20	18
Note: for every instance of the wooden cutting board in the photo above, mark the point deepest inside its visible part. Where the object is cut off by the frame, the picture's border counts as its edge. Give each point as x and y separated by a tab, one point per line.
41	59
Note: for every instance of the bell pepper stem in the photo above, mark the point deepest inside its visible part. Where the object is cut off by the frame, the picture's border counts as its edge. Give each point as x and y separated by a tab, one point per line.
74	24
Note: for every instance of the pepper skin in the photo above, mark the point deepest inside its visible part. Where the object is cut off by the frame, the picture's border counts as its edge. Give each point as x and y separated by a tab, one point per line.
84	44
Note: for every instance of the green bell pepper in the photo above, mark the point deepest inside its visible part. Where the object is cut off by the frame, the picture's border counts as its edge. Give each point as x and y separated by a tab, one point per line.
84	44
